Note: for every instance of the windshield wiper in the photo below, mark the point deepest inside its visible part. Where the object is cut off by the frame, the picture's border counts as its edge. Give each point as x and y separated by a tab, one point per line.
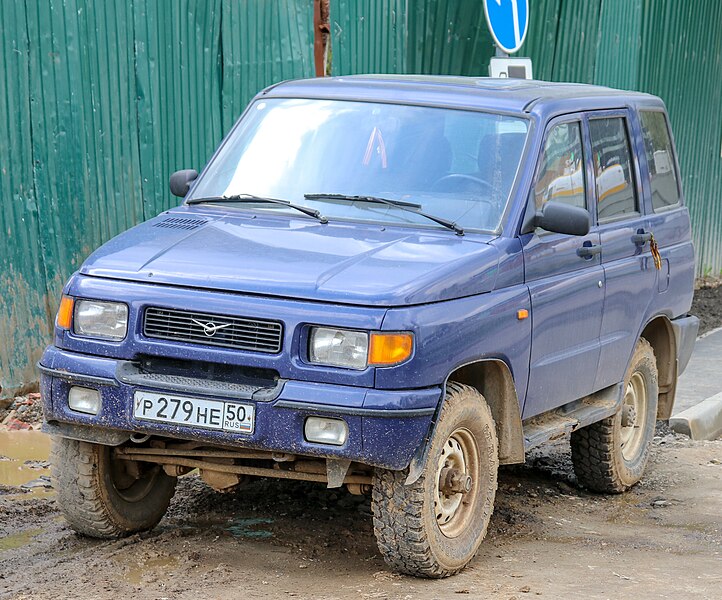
250	198
407	206
374	199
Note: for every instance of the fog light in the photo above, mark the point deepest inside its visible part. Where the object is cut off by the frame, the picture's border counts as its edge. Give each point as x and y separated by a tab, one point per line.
84	400
326	431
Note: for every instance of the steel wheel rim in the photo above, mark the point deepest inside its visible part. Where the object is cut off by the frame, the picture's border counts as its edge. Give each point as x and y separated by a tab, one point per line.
634	411
453	511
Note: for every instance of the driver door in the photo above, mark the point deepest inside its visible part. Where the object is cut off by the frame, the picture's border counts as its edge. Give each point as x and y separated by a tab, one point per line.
564	276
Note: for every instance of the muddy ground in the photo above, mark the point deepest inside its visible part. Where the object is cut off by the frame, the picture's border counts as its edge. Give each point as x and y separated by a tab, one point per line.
707	304
279	539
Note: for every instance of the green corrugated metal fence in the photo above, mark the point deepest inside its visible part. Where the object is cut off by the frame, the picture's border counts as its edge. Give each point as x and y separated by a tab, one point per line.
408	36
369	36
24	307
103	100
682	62
100	102
669	48
263	43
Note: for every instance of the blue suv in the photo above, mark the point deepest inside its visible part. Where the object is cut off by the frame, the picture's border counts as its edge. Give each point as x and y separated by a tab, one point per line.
392	284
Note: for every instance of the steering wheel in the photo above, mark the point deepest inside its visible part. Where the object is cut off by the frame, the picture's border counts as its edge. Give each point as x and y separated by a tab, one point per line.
484	185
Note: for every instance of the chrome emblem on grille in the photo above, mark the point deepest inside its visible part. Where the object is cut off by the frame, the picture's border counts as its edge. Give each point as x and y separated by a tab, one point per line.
211	328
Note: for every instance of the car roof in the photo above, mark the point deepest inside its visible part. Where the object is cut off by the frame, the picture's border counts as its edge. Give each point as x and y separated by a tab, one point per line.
544	98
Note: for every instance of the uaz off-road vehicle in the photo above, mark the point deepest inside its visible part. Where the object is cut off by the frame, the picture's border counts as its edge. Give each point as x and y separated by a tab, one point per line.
393	284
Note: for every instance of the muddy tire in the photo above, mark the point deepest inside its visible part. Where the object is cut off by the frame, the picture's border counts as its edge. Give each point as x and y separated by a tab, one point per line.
610	456
100	497
429	529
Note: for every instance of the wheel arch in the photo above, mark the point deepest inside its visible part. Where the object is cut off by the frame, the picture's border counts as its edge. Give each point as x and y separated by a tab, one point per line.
493	380
660	335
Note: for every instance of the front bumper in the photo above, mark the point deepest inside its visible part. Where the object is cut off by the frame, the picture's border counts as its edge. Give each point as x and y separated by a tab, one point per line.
386	427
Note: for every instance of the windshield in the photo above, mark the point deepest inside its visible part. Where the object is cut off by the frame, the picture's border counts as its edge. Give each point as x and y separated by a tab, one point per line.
456	165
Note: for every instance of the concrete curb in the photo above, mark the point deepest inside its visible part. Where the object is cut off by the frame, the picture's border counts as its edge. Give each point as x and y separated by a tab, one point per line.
701	422
708	333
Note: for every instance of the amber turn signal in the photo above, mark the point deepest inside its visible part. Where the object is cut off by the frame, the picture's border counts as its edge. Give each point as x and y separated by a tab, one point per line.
390	348
65	313
522	314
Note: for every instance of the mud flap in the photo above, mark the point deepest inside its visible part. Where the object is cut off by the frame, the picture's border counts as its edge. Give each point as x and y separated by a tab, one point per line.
336	470
416	466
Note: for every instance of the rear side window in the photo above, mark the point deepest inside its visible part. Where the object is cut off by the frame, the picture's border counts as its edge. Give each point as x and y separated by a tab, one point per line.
660	160
561	172
616	193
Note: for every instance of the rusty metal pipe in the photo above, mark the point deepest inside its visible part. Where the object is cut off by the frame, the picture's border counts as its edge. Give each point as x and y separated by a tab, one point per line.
128	450
239	469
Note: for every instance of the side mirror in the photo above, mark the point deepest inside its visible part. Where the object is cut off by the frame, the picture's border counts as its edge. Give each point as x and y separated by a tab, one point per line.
562	218
180	182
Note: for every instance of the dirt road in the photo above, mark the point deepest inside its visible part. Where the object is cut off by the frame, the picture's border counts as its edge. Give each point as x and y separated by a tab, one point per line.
278	539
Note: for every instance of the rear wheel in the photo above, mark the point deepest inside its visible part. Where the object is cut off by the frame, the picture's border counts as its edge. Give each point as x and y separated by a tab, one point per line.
105	497
433	527
610	456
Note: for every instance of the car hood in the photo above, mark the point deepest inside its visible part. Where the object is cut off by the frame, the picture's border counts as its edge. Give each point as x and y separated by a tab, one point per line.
258	253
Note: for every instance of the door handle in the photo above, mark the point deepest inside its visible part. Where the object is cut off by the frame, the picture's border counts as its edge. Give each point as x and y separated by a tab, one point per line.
641	237
589	251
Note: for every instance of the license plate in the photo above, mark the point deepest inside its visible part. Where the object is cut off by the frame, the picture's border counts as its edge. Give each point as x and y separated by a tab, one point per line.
195	412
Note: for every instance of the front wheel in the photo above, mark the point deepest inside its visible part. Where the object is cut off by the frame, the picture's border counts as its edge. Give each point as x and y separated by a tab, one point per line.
433	527
104	497
610	456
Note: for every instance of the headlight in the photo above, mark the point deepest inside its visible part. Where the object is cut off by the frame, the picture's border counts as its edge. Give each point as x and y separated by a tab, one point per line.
359	349
103	320
339	347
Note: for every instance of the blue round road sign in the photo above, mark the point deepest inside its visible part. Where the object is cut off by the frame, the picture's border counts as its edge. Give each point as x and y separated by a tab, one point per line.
508	22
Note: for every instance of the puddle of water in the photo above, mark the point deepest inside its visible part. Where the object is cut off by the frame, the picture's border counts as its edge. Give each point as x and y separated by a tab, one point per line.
247	528
138	571
18	540
19	446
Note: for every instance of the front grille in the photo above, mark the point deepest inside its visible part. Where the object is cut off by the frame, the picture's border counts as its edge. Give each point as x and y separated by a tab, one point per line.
241	334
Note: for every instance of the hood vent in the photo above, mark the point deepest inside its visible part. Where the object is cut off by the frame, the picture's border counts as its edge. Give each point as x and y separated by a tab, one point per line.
180	223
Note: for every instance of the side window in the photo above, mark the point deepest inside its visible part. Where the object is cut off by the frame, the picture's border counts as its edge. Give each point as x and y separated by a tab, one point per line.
561	171
660	160
616	192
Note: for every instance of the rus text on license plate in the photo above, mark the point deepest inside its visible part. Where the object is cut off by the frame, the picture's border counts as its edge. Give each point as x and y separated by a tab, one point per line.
196	412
